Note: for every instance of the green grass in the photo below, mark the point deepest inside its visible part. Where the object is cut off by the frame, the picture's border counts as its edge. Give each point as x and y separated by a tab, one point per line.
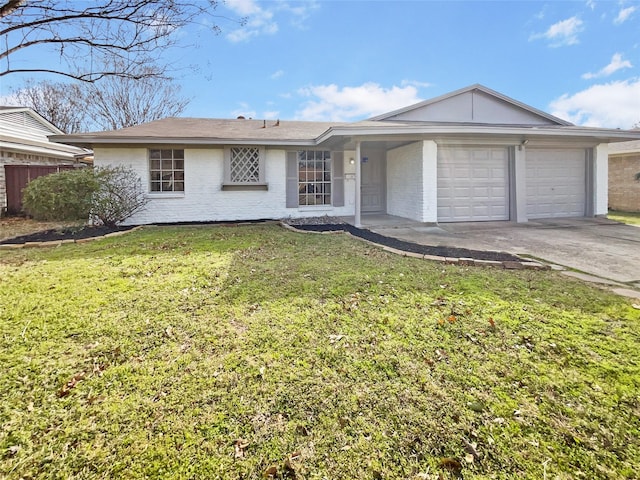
631	218
235	352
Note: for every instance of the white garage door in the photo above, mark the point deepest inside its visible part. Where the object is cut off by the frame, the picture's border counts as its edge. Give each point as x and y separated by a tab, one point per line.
556	185
473	184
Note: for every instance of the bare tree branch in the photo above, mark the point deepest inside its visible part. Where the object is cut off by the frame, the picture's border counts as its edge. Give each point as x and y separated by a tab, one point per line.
101	31
109	104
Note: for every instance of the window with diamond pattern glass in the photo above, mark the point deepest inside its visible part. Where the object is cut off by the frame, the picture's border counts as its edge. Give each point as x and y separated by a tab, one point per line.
245	165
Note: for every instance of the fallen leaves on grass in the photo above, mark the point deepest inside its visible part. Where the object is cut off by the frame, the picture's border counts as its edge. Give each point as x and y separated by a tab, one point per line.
71	384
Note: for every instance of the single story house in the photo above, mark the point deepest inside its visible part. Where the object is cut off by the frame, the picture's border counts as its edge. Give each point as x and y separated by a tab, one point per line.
470	155
26	153
624	168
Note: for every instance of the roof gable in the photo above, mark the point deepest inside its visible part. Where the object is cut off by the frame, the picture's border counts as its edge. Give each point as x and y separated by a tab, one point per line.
23	122
474	104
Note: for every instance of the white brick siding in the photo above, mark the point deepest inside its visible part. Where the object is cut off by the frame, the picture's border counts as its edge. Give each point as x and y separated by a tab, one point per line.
203	199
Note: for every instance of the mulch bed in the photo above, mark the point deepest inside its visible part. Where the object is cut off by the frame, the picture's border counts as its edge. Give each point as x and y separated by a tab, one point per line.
409	246
65	234
98	231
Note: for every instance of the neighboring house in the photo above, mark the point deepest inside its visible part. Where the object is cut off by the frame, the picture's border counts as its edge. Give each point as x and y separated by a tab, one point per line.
471	155
624	165
26	153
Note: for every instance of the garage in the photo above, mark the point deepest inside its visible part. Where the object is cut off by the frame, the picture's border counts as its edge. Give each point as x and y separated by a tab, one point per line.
556	183
473	184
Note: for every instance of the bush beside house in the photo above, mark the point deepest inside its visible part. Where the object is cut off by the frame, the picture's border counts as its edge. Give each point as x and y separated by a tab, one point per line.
109	195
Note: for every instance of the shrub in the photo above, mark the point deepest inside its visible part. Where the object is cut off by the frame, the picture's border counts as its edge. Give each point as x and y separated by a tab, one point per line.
118	196
66	195
109	195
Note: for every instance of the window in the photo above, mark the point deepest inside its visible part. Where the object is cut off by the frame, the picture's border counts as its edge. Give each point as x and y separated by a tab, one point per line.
314	177
166	170
244	168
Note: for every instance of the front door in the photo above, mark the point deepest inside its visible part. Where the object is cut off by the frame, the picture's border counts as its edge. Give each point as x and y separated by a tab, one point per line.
373	181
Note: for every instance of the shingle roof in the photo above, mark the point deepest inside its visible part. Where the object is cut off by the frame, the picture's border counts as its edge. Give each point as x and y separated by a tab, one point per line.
220	129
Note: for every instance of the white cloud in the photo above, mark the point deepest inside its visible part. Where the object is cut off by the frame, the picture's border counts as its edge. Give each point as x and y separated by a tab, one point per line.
561	33
244	111
415	83
261	19
300	12
332	103
609	105
616	64
591	4
258	20
271	114
276	74
624	15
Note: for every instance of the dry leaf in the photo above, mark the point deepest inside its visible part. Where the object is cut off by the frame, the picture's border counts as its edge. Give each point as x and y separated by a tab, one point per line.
240	446
270	472
452	319
451	464
169	332
294	456
67	387
471	449
492	322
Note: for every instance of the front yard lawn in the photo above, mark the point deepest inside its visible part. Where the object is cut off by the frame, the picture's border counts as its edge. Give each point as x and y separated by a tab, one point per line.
247	352
631	218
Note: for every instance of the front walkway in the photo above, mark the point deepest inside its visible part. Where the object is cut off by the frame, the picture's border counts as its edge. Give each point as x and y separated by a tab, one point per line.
596	246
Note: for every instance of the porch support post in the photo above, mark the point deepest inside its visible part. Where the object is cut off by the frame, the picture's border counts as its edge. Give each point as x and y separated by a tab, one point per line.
358	198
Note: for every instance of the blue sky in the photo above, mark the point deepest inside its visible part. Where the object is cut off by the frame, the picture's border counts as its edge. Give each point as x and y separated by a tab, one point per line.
349	60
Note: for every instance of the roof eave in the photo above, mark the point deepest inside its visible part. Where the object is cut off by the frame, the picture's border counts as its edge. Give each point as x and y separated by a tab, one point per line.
90	141
435	130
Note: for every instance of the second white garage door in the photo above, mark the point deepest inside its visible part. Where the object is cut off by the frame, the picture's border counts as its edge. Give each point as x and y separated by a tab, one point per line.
556	185
473	184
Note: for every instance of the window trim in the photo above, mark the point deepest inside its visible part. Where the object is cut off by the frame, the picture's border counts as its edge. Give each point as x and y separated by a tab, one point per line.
260	184
165	193
324	182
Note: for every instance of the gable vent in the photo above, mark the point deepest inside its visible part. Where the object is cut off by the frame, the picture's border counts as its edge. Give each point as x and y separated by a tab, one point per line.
24	121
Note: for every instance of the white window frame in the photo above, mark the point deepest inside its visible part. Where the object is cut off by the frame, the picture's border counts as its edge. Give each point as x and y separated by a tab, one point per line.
314	183
173	170
258	183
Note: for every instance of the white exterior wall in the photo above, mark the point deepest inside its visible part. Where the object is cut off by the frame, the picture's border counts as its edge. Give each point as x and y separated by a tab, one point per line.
204	200
430	181
405	181
601	183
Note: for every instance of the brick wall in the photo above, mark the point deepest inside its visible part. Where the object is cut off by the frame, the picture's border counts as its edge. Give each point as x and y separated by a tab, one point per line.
624	190
203	199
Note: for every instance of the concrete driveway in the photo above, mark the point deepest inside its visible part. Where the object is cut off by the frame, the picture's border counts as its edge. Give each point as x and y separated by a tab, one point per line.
596	246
